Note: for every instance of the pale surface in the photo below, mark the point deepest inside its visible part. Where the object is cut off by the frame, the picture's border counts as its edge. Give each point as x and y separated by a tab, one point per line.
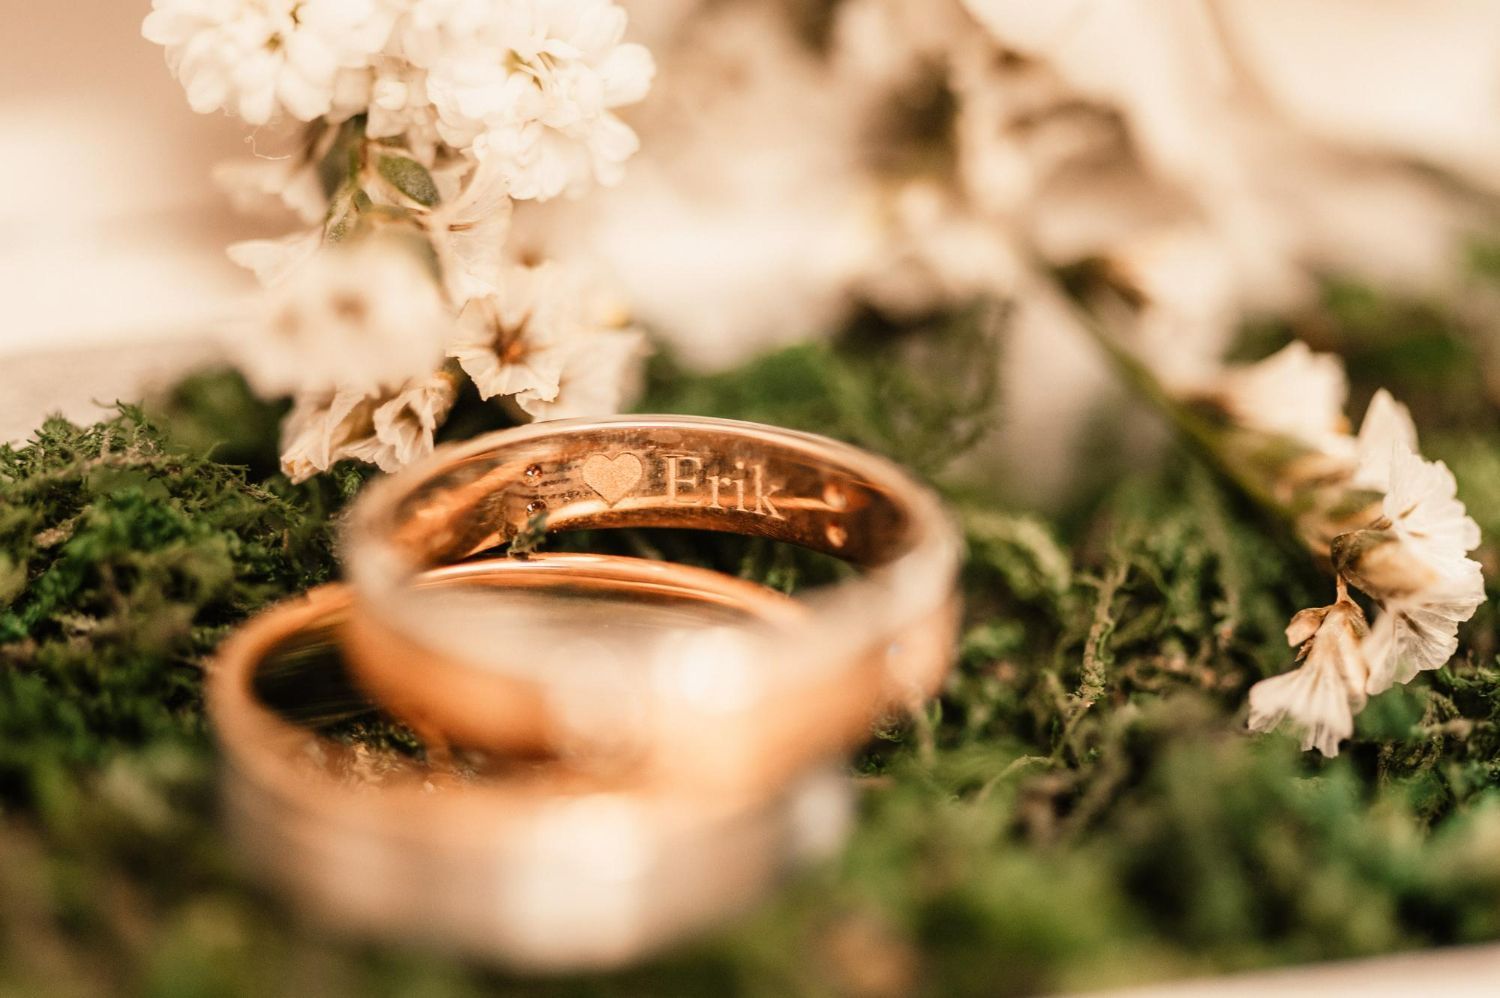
112	266
82	383
109	224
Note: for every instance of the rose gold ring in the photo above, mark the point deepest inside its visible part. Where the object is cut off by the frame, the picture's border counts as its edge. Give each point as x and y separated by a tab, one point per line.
738	704
535	864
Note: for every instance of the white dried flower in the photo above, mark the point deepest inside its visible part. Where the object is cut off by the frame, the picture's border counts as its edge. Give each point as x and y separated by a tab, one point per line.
1320	697
555	339
320	429
1409	553
1424	510
405	422
1414	561
387	429
264	58
460	107
600	376
1420	632
392	95
533	87
1421	539
1386	431
518	339
364	317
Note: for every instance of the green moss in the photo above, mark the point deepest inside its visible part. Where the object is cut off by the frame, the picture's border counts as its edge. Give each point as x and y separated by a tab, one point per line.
126	561
1081	808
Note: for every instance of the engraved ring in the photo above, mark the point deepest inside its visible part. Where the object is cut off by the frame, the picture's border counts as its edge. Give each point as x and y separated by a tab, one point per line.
746	703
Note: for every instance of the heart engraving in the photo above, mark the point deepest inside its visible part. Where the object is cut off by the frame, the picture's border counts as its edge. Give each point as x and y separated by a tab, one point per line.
612	477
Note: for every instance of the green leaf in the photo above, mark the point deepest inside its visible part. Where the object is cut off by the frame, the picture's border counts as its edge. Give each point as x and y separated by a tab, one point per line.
344	213
340	164
410	178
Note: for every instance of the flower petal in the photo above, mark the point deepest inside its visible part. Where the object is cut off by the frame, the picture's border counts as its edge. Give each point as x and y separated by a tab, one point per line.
1387	429
1311	700
1421	633
1422	504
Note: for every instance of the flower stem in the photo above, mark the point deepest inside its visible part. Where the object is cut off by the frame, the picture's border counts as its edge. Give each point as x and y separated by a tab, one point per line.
1204	437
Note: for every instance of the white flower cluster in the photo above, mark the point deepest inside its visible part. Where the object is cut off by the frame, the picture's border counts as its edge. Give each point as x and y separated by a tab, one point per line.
261	59
529	84
1409	551
426	120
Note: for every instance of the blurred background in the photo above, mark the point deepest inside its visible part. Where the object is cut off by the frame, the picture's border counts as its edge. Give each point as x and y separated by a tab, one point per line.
112	232
1215	161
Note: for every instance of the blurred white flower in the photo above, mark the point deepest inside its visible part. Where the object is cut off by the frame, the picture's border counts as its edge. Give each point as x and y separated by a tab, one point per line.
655	23
1320	697
1293	393
533	86
1092	129
468	233
274	260
1183	282
289	182
262	58
1406	78
747	217
364	317
937	255
880	46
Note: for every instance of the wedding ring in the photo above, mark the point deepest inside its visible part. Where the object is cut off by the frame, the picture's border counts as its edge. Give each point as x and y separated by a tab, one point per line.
732	705
535	864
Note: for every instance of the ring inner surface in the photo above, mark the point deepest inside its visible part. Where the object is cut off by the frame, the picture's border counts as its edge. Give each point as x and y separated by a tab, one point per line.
715	479
303	680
